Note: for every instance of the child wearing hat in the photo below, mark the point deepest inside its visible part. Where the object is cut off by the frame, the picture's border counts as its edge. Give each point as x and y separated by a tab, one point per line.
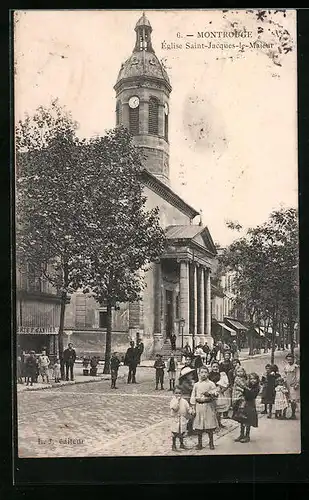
172	365
115	363
159	365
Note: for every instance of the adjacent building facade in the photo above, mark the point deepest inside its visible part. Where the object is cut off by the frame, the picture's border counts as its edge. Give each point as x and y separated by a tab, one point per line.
37	312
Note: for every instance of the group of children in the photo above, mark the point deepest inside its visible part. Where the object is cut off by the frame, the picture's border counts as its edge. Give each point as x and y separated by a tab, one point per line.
278	391
171	365
201	407
31	367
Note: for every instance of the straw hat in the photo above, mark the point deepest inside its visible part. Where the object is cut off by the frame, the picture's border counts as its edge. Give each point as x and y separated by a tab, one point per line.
185	371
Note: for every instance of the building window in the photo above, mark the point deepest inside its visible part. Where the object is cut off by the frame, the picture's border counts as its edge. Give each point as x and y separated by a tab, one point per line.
153	118
166	127
102	319
118	113
134	120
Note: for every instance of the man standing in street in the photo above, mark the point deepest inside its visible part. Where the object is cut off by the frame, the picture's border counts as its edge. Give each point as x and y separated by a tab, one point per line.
234	349
131	360
173	341
69	357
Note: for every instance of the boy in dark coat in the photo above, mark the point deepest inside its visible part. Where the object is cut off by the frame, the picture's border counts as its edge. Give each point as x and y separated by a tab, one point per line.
115	363
159	365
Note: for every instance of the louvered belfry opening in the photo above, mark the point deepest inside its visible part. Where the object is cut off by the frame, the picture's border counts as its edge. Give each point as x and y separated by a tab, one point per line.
153	119
166	127
118	113
134	120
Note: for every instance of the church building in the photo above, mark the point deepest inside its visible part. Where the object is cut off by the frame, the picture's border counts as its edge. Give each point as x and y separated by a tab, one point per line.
177	297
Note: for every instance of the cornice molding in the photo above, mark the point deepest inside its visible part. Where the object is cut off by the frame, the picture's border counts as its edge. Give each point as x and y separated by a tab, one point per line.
167	193
38	296
141	81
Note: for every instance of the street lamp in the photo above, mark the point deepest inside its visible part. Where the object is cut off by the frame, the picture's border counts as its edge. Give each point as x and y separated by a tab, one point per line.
182	325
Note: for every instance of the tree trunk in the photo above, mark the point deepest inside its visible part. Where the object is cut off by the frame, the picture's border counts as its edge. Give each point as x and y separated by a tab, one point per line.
60	334
273	341
250	338
291	335
108	342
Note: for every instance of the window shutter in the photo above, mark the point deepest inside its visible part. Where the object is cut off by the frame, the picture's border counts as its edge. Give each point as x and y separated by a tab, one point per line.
118	113
134	120
153	118
166	127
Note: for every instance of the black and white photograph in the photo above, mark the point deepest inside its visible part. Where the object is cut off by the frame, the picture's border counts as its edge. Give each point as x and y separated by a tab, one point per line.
156	233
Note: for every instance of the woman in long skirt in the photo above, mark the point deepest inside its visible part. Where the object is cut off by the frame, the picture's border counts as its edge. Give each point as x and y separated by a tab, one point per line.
203	400
291	375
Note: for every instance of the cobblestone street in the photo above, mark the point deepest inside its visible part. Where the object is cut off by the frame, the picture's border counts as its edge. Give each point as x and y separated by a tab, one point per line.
93	420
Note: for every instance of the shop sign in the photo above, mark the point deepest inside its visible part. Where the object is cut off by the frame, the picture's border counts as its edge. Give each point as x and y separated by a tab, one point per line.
40	330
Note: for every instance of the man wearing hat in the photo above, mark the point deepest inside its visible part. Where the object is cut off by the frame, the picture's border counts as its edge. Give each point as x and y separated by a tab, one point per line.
131	360
187	379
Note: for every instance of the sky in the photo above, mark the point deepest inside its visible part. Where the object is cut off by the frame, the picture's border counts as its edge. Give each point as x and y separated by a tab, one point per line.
233	112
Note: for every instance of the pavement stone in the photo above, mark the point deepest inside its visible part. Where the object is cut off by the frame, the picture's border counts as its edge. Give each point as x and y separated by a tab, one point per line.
133	420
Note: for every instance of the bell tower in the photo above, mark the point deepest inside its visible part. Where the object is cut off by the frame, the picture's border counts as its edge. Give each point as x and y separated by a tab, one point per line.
142	101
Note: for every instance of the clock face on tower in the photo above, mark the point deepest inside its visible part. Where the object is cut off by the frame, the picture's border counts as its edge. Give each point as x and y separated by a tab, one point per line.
166	108
134	102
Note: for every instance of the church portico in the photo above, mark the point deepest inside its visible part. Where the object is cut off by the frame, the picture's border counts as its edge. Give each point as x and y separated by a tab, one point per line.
183	300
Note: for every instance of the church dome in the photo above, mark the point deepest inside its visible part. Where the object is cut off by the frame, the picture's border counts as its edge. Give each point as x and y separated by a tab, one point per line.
143	62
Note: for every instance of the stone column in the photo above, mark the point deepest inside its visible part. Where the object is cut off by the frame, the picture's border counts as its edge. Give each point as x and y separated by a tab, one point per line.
184	294
174	312
158	337
195	269
209	339
201	302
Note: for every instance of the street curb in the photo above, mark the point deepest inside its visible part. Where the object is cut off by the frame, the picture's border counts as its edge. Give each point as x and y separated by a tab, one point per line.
58	386
256	356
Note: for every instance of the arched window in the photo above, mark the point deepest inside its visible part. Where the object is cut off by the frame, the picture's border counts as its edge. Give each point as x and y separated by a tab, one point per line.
166	127
118	113
134	120
153	118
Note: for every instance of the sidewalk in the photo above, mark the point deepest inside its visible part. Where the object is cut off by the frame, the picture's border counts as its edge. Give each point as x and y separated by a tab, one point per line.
82	379
79	378
243	356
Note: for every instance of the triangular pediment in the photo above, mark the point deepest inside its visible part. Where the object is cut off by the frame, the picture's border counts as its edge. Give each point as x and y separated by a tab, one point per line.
192	234
204	239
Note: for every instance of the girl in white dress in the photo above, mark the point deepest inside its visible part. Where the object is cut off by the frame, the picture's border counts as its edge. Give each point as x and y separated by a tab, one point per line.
203	400
180	413
281	398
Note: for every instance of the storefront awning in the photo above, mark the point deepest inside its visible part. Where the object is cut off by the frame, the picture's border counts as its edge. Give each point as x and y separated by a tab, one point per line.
269	331
232	332
29	330
236	324
259	332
